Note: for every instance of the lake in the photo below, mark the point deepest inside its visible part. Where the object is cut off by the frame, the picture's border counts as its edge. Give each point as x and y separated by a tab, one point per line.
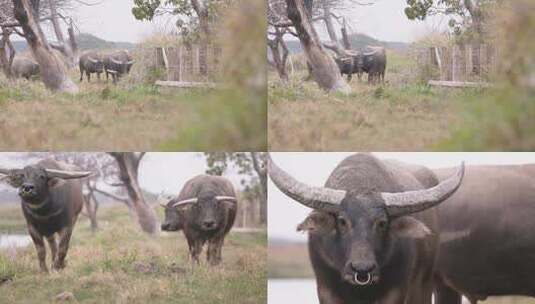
14	240
292	291
296	291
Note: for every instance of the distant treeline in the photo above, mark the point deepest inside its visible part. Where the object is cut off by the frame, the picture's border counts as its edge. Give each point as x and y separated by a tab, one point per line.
358	41
85	42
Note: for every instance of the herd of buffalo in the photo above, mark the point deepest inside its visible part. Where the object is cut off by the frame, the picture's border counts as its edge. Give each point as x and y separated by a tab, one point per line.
52	199
380	231
115	63
371	61
383	231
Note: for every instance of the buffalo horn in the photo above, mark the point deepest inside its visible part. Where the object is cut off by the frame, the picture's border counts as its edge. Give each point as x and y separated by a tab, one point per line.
67	174
404	203
319	198
184	202
225	198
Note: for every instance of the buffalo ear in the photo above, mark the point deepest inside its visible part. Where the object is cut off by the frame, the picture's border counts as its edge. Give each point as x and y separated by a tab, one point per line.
409	227
318	222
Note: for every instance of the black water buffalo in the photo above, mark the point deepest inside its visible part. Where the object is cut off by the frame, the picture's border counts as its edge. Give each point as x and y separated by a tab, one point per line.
91	62
373	62
24	67
118	63
348	66
205	211
372	234
487	243
51	201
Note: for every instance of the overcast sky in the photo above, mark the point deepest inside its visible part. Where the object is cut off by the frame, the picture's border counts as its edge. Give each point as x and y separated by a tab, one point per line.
158	171
314	169
113	20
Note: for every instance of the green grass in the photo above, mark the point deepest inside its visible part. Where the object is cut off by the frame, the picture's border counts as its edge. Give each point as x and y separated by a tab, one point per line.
500	119
120	264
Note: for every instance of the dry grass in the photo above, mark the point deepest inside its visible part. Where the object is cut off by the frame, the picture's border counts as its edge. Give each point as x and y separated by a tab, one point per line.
119	264
402	115
124	117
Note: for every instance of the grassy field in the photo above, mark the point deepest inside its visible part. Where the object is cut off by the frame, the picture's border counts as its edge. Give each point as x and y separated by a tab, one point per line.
402	115
128	116
120	264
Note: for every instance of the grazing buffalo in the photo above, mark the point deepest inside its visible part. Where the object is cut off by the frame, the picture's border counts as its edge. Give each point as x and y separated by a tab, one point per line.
91	62
51	201
373	62
118	63
24	67
205	211
487	243
372	234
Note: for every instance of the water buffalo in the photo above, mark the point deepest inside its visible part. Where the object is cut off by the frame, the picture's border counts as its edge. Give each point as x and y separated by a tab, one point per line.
91	62
118	63
24	67
372	235
348	65
373	62
51	201
205	211
486	235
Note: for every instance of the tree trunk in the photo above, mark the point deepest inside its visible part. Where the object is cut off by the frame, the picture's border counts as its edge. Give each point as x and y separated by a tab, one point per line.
262	176
345	38
64	48
204	24
51	68
324	69
91	207
277	45
128	174
6	60
477	24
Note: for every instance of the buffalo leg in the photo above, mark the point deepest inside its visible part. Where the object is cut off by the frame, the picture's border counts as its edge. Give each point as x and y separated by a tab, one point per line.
213	254
446	295
349	76
53	248
81	75
64	239
88	76
39	247
195	249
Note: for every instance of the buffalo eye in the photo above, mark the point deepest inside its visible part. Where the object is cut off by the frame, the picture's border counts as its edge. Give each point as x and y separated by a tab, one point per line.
381	224
342	223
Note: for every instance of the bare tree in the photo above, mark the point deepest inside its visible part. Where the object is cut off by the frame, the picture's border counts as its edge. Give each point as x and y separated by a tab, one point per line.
322	65
128	163
53	72
278	27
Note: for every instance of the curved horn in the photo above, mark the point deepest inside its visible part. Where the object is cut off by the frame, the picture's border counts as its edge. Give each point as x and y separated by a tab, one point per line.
130	62
320	198
404	203
67	174
115	61
92	60
226	198
184	202
163	200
